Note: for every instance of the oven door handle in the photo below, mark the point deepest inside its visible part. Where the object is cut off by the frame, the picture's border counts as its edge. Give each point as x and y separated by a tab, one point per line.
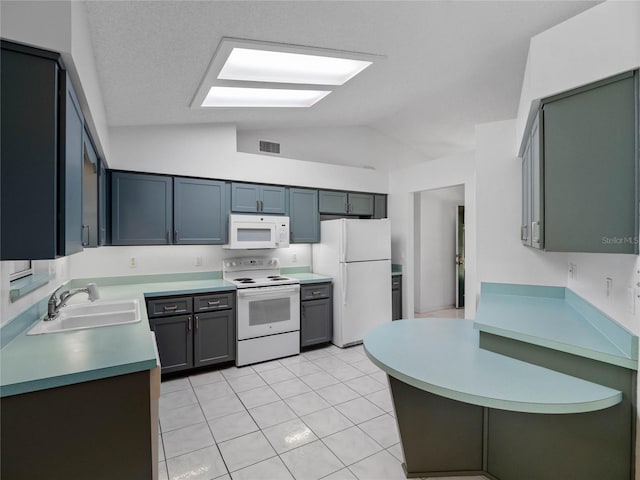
269	291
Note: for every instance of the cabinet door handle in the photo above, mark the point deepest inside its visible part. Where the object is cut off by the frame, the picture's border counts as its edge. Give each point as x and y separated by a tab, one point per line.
346	207
317	292
257	205
261	206
217	302
170	308
175	236
535	237
189	323
197	322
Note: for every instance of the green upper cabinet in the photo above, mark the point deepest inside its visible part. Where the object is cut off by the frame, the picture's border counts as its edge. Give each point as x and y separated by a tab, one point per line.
379	206
252	198
580	170
41	151
346	203
304	216
333	202
360	204
200	210
141	209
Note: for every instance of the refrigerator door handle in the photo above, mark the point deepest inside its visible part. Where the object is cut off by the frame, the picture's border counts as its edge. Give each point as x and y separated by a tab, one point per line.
345	282
343	247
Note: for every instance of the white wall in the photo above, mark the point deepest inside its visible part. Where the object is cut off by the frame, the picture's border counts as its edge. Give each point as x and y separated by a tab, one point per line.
501	255
161	259
62	26
355	146
57	268
435	248
403	183
210	151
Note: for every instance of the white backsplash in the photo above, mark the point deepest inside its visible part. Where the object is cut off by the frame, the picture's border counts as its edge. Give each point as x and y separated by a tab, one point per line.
158	259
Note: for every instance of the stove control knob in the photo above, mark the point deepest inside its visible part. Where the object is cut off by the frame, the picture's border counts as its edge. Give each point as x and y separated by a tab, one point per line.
233	264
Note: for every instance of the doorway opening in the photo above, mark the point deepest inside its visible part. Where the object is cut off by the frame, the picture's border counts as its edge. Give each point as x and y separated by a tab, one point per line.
439	252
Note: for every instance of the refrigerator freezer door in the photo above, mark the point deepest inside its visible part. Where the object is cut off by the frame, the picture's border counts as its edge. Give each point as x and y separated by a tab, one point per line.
364	240
363	301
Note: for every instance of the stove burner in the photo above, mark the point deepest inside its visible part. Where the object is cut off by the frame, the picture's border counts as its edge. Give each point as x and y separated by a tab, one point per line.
242	279
275	279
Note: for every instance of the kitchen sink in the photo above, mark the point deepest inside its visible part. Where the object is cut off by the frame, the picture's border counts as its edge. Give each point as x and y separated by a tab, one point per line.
101	313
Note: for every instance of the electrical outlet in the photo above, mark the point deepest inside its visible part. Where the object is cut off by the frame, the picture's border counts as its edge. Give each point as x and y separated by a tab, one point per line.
573	271
133	263
294	258
198	262
608	287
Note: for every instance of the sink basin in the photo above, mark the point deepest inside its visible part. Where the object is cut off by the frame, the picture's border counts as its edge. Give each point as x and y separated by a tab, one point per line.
101	313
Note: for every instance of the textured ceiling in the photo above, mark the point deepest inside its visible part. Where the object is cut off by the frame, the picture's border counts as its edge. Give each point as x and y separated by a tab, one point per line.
448	66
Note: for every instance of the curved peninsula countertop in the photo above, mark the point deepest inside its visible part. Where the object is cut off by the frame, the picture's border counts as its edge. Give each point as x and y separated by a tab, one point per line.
442	356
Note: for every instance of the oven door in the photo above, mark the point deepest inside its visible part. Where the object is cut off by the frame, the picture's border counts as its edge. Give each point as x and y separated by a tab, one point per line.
268	310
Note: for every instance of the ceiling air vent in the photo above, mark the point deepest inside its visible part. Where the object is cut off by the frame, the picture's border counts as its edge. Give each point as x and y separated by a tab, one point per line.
269	147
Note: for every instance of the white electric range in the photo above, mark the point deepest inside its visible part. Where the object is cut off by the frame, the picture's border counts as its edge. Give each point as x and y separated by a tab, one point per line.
268	309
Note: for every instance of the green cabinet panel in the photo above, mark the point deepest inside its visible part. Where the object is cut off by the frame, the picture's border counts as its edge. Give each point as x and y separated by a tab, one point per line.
379	206
253	198
304	216
346	203
590	175
360	204
200	211
580	170
141	209
333	202
215	337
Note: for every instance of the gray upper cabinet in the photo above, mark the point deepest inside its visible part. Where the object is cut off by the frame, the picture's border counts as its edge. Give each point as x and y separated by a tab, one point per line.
71	172
102	202
333	202
90	193
141	209
580	170
346	203
200	210
305	219
41	151
252	198
360	204
379	206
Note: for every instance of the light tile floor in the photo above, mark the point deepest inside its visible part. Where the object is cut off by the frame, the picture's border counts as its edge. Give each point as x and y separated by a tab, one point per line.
325	414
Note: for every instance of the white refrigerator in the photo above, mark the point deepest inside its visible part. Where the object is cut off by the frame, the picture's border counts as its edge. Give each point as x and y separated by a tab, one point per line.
357	255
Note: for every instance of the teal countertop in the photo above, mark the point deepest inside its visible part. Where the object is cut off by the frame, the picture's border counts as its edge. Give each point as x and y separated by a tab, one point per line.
36	362
556	318
442	356
310	277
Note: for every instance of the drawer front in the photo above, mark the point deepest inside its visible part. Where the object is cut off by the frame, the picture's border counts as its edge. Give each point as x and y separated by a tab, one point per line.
312	292
164	307
210	303
396	282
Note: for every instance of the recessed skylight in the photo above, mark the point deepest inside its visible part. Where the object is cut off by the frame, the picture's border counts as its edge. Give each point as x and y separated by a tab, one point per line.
249	73
261	97
284	67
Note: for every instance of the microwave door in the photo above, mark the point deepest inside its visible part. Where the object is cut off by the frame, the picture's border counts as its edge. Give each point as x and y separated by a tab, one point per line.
254	235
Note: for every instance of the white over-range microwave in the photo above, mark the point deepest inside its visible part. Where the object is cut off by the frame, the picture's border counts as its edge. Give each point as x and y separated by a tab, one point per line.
258	231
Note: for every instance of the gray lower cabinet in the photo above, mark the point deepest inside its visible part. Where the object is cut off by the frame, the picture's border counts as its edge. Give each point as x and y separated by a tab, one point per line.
304	216
316	314
396	297
580	170
200	211
141	209
253	198
193	331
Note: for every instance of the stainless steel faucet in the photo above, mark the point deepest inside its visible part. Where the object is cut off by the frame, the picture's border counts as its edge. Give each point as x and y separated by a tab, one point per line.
53	306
